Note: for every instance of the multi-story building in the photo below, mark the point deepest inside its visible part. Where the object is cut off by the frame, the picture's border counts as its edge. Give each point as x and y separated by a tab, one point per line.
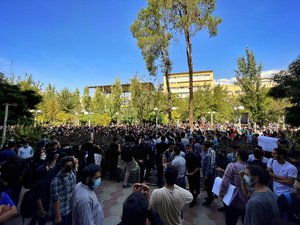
179	82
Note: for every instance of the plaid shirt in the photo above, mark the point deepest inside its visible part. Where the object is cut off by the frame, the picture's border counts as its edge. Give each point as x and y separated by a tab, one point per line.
212	154
61	189
231	176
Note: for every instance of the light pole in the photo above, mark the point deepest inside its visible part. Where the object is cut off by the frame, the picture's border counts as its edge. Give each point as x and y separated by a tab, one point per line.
89	117
5	121
35	113
117	118
156	116
211	117
238	109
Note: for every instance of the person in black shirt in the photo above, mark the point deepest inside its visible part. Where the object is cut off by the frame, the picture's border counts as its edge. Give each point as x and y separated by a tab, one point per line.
193	173
160	149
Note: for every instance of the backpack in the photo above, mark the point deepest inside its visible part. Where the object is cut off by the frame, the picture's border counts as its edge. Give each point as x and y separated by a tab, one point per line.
27	208
126	153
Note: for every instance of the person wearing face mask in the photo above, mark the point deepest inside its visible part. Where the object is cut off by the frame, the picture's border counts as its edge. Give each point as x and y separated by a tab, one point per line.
86	208
61	191
262	206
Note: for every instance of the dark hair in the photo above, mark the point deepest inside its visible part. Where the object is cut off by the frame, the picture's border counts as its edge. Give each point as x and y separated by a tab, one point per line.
163	138
281	151
135	209
177	150
115	139
258	147
258	154
171	174
243	155
207	144
90	171
66	159
298	178
263	175
188	146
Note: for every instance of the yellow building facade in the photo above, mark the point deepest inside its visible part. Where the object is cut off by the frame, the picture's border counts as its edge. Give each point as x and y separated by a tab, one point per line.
179	82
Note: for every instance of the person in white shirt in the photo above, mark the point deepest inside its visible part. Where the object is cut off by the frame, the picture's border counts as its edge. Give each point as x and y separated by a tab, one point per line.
26	151
169	200
180	163
282	172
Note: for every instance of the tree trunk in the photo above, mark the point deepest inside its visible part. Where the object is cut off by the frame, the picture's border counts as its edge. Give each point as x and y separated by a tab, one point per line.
167	69
190	65
169	100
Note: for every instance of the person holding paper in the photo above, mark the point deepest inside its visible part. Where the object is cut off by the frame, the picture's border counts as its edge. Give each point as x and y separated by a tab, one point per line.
262	206
231	176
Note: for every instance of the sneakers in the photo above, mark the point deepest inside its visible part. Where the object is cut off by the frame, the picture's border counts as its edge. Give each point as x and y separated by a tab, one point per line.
126	186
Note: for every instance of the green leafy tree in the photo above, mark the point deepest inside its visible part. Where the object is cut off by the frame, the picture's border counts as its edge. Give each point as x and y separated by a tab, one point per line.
288	87
28	83
50	104
116	96
87	100
66	101
77	102
254	96
188	18
99	101
140	99
25	100
150	30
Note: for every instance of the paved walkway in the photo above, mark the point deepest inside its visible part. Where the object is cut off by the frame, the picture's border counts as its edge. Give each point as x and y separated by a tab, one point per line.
111	196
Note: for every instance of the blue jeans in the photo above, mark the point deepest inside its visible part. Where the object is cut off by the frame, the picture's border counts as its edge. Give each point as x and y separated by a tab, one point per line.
181	182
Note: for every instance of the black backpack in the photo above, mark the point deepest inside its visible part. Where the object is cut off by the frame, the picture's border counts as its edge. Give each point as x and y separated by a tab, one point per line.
27	208
126	153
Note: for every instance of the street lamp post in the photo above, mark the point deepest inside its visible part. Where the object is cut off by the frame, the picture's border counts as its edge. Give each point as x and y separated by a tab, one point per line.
238	109
212	117
5	121
156	116
35	113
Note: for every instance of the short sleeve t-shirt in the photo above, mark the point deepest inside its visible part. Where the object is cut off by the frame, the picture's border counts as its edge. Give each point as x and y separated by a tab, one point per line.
285	170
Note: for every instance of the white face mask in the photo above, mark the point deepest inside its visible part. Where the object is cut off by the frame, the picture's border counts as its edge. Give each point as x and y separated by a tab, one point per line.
43	157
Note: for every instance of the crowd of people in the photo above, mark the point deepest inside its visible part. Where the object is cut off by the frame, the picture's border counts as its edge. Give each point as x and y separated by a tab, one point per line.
62	176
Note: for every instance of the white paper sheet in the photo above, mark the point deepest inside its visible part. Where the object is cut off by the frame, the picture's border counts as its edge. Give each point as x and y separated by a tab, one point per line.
267	143
231	192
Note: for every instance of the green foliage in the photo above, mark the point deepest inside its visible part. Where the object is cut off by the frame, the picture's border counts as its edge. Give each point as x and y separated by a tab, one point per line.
115	98
208	99
101	119
25	100
254	97
87	100
188	18
77	103
288	87
64	118
33	135
99	101
141	99
29	84
66	101
50	104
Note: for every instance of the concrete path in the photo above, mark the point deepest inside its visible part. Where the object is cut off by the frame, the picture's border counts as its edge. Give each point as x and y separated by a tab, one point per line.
111	196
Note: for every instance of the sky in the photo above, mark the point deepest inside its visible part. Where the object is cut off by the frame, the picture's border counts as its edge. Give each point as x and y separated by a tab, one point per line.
76	43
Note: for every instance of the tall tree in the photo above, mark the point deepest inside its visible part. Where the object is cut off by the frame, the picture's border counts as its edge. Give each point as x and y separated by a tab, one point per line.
28	83
50	105
139	99
188	18
153	38
66	101
24	100
87	100
77	102
288	87
248	76
99	101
